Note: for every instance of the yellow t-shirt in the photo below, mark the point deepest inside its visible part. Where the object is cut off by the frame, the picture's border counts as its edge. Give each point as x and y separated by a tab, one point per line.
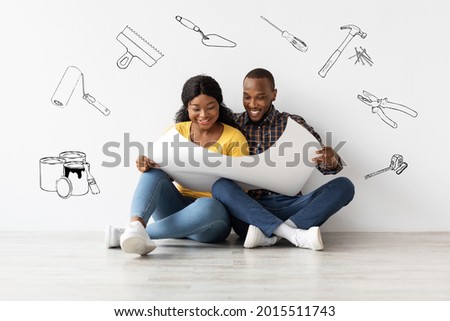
231	143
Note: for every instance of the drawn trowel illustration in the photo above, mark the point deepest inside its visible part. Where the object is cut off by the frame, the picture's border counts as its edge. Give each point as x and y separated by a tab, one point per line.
136	47
210	39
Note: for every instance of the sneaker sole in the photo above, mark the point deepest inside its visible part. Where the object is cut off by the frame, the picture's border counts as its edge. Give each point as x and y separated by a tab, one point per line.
318	245
136	245
250	240
108	232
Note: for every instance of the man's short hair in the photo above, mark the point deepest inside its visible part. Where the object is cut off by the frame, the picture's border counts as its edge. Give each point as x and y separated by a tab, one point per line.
261	73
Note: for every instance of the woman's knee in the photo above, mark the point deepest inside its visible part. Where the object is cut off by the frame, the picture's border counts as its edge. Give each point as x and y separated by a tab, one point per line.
218	220
212	209
154	174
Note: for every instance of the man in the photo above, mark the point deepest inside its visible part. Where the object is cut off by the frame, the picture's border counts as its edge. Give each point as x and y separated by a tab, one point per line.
262	217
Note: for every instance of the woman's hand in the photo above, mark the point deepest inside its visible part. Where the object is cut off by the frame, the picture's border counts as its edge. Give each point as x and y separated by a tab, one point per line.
144	164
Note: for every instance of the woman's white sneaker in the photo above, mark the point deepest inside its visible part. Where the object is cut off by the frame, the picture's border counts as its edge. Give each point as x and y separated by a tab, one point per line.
136	240
112	236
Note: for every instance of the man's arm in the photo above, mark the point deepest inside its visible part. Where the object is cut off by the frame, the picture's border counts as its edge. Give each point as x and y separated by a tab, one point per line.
328	160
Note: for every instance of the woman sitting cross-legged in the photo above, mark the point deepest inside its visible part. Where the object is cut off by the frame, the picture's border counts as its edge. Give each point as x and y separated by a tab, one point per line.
178	212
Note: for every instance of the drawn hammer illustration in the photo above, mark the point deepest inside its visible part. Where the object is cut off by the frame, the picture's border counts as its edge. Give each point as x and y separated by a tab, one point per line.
397	165
354	30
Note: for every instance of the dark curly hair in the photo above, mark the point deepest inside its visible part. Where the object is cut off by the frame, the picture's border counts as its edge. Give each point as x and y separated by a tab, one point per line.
205	85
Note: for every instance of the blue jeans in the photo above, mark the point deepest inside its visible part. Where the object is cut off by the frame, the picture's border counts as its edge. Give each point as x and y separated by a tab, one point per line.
176	216
269	211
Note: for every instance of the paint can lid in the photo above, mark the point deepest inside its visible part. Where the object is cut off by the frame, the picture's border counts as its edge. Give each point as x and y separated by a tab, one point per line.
64	187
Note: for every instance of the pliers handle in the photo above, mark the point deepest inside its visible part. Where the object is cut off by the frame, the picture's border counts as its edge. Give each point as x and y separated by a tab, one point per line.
379	104
385	103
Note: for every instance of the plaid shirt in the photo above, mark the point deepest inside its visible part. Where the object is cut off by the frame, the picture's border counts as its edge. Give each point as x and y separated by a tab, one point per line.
261	137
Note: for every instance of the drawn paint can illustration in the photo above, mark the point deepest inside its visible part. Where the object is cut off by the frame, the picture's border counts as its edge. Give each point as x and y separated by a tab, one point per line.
51	169
73	156
66	86
74	180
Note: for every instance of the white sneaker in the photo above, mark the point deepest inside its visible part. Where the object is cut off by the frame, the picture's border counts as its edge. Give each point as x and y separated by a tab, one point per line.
112	236
136	240
256	238
309	239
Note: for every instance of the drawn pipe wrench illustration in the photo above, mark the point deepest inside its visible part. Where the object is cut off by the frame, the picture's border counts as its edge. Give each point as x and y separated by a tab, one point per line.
354	30
379	104
397	164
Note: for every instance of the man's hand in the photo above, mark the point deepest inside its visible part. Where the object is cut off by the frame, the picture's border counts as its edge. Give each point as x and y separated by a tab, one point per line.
144	164
326	159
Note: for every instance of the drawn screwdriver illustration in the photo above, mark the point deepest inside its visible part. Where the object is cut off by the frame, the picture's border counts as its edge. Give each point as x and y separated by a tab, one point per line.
297	43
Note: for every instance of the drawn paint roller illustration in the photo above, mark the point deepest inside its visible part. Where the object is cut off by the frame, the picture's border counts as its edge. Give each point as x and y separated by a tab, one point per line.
294	41
210	39
137	47
67	175
354	30
397	164
378	106
66	87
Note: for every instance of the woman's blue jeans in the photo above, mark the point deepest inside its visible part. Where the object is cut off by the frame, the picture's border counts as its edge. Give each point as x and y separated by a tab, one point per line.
269	211
176	216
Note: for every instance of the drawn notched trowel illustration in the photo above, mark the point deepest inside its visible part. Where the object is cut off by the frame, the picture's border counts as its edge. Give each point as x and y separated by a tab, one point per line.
210	39
137	47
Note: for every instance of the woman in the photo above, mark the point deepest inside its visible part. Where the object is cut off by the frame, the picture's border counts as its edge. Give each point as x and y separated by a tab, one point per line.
178	212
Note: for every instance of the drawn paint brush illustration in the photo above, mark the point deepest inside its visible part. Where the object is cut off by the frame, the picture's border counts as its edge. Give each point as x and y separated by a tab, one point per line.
137	47
91	180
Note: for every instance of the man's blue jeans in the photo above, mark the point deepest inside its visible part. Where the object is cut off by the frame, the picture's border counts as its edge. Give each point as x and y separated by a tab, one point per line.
269	211
176	216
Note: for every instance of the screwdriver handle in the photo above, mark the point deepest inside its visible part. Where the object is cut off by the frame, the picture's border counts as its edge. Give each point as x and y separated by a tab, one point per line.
297	43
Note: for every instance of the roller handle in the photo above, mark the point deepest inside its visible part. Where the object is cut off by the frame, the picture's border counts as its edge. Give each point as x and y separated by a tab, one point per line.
91	100
323	72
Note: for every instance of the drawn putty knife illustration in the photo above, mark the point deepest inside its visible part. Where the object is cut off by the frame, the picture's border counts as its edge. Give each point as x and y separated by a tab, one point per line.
354	30
397	164
297	43
136	47
66	87
209	40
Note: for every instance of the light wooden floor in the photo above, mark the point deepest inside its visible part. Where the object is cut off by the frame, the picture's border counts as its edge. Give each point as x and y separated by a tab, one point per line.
353	266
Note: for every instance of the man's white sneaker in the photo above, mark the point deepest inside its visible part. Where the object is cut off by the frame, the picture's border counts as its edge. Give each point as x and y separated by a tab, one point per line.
256	238
112	236
309	239
136	240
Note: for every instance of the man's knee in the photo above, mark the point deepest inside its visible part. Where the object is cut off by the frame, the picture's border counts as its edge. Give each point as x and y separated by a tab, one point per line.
346	187
221	186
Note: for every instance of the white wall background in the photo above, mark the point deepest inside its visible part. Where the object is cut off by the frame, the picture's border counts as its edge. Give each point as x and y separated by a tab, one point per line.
406	39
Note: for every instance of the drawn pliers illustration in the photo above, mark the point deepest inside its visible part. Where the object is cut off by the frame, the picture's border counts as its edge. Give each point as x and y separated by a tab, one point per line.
378	106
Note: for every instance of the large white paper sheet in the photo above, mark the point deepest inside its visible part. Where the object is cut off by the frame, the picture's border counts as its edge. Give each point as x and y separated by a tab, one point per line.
283	168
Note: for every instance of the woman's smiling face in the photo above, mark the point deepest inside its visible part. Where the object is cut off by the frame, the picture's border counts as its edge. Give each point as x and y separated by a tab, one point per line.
203	111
